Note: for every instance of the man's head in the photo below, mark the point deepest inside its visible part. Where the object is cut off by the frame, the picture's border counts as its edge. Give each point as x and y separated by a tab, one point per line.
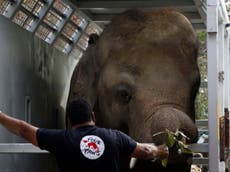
79	111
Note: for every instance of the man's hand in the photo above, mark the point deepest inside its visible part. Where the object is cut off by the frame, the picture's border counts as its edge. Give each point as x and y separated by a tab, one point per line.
150	151
163	151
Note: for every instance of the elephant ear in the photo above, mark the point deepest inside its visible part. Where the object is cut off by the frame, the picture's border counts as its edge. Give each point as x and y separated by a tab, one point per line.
84	78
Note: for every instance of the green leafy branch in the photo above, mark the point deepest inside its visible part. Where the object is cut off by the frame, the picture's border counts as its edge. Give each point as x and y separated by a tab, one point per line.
176	141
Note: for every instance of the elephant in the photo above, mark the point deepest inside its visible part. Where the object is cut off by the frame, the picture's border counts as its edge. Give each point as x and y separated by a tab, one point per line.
141	76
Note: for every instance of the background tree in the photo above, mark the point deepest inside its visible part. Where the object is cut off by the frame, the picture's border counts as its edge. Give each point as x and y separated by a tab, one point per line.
201	103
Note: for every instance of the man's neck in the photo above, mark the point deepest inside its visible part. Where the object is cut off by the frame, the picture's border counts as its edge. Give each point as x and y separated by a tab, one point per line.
83	124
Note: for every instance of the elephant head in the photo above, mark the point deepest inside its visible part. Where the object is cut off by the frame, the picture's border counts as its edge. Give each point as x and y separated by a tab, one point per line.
141	76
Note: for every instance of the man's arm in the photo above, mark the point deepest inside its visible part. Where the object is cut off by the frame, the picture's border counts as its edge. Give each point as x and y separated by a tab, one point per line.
150	151
20	128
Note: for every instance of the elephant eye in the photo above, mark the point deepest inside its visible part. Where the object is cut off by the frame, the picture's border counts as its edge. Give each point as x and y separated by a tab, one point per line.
124	95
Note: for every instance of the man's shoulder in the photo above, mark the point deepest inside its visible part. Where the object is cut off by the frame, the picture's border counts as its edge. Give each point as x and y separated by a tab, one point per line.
113	134
107	130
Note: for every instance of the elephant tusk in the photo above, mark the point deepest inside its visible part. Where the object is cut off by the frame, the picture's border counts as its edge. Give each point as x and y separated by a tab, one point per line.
132	162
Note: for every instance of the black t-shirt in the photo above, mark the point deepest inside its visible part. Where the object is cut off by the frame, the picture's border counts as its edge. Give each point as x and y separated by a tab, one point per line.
87	148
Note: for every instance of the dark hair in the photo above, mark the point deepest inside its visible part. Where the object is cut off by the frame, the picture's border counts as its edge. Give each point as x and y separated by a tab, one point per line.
93	38
79	111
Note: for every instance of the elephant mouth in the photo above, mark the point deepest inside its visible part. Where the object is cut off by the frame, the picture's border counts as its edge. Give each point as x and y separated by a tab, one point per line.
135	164
145	165
178	120
176	163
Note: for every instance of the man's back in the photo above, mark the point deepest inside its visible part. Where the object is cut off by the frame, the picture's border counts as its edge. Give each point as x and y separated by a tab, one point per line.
86	148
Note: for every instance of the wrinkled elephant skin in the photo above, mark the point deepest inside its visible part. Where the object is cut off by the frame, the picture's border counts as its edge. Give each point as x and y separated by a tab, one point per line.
142	77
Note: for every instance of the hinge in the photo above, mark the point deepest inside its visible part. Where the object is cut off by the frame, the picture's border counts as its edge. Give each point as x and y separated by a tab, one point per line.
221	76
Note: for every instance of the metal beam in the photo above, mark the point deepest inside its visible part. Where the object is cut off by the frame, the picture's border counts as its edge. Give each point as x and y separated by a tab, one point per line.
201	161
213	104
132	4
187	8
202	123
192	15
196	21
197	26
199	147
19	148
102	17
201	9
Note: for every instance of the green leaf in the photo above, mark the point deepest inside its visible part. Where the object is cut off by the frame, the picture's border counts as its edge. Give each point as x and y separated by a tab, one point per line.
159	133
176	133
184	148
183	135
187	151
171	140
176	141
164	162
182	144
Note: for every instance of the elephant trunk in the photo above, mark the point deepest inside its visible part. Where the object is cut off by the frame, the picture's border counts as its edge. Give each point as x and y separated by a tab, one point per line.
173	119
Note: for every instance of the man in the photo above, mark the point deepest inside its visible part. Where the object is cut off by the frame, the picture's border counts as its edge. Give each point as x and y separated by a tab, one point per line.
85	147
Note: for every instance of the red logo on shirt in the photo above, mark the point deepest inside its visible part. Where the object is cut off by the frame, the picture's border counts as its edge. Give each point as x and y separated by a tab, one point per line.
92	147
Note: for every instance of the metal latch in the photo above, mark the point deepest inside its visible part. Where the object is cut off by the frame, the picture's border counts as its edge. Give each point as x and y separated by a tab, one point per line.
221	76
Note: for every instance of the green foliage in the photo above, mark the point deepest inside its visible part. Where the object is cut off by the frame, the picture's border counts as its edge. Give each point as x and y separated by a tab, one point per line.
201	103
201	36
164	162
176	141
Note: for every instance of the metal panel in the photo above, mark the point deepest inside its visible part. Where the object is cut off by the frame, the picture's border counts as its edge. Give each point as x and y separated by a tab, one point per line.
49	20
19	148
200	161
132	4
212	55
29	67
199	147
221	72
213	103
212	18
